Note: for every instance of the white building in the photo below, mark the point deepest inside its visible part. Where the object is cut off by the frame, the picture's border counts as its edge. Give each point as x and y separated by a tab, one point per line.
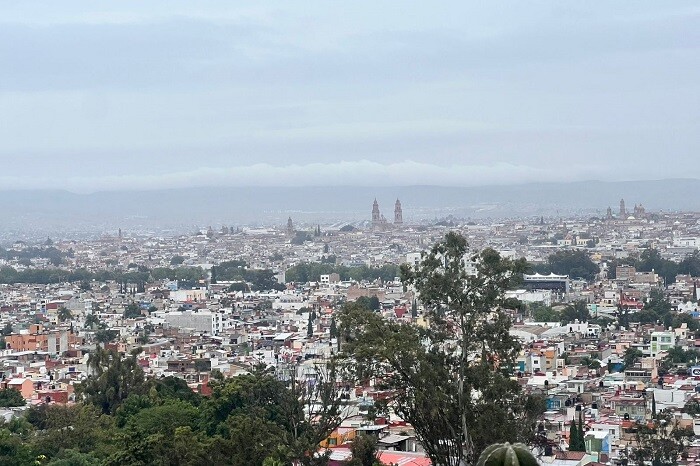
200	320
661	341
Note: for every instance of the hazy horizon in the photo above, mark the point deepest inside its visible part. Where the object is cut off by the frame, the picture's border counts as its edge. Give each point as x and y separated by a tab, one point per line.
130	95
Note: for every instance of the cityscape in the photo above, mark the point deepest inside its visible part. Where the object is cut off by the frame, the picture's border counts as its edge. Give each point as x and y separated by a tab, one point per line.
303	233
220	303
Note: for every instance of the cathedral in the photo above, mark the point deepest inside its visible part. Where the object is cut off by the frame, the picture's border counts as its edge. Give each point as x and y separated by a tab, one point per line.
379	222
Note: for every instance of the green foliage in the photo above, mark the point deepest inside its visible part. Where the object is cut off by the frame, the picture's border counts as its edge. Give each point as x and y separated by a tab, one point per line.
177	260
251	420
656	309
651	259
574	263
372	302
81	428
690	265
54	256
631	356
105	336
10	397
237	270
576	438
661	442
576	311
677	355
435	387
364	451
74	458
310	326
112	380
132	311
13	450
311	272
542	313
64	314
333	328
692	407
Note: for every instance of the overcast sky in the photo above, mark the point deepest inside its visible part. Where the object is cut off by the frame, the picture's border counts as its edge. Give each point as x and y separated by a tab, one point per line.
132	94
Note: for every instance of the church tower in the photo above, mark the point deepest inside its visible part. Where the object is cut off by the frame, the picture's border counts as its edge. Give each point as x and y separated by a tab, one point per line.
623	211
376	216
290	227
398	214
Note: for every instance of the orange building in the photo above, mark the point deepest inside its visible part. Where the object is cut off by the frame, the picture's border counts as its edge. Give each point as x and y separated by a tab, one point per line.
22	385
39	339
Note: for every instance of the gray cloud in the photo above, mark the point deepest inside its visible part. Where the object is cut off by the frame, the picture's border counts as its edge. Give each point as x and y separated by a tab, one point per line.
134	94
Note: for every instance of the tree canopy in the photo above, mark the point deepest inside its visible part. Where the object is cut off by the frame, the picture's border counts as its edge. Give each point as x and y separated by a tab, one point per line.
121	419
450	379
574	263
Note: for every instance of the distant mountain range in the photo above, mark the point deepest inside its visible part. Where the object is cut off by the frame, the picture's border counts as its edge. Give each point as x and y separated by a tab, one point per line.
56	211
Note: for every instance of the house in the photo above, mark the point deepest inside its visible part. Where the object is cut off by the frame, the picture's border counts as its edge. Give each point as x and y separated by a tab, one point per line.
23	385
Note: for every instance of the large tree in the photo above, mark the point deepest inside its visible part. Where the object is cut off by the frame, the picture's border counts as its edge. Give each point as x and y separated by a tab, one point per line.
575	263
661	442
450	380
111	381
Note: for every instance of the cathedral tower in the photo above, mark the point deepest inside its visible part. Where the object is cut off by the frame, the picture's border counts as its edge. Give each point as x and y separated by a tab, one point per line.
376	216
398	214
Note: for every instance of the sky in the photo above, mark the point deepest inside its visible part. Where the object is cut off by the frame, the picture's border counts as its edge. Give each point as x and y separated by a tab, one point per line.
130	95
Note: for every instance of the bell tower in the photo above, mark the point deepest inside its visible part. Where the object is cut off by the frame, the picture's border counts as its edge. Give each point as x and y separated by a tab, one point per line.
398	214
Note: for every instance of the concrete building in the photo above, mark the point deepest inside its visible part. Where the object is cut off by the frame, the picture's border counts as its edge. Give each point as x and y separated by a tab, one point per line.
198	320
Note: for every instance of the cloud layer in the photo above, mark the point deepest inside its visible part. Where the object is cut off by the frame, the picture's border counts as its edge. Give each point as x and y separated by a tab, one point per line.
128	94
355	173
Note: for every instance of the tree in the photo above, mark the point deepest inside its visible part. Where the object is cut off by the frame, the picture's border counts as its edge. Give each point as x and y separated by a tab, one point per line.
267	415
81	428
93	321
310	326
333	328
631	356
661	442
64	314
13	450
449	380
132	311
576	264
692	407
111	381
364	451
650	259
658	303
690	265
542	313
10	397
7	329
369	302
177	260
105	336
577	311
574	434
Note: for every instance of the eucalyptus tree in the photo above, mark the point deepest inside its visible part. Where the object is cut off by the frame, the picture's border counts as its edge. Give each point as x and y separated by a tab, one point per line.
451	378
